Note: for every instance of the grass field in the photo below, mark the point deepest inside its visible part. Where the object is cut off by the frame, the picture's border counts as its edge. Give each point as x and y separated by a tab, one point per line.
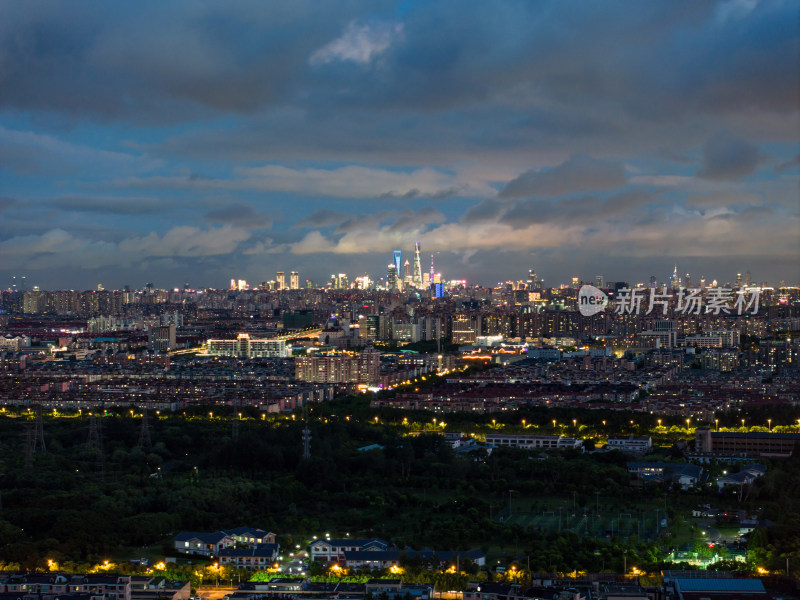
643	521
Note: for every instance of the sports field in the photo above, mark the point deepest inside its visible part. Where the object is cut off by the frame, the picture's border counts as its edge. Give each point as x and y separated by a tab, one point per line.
644	523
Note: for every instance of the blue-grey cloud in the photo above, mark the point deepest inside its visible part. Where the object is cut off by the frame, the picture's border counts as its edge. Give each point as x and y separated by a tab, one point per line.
793	163
109	205
579	174
728	157
532	125
242	215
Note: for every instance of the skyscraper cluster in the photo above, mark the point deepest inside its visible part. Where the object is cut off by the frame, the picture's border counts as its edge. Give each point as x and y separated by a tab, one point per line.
399	275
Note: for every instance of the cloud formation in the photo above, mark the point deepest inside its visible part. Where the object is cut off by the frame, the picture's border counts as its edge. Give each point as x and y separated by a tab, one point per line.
149	138
360	43
242	215
579	174
728	157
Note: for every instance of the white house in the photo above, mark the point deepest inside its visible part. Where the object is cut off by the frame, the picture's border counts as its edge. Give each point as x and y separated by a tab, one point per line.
203	544
333	550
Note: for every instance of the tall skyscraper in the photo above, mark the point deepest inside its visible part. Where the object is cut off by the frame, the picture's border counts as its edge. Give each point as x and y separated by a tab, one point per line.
674	281
294	280
599	281
391	277
280	280
396	259
417	266
533	280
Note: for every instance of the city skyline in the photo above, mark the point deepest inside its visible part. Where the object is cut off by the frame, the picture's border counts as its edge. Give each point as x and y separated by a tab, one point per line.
276	281
173	142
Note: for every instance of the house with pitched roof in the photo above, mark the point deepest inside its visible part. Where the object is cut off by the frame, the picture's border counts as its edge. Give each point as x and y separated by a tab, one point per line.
202	544
260	556
333	550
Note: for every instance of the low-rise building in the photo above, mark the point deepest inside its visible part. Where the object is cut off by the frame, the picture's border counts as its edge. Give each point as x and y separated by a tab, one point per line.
246	347
533	442
333	550
259	556
631	444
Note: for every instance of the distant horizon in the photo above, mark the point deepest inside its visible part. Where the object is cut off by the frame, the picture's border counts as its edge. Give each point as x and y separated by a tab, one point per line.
321	282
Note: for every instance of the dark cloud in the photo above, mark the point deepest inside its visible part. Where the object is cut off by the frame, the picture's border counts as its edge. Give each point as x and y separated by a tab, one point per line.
410	220
323	218
579	174
159	62
580	210
789	165
728	157
486	210
242	215
442	194
109	205
6	202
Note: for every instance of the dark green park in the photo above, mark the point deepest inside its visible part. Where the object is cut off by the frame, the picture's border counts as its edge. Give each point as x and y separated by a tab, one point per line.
101	491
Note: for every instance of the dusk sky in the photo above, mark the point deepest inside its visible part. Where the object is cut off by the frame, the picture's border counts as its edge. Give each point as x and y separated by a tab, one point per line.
199	141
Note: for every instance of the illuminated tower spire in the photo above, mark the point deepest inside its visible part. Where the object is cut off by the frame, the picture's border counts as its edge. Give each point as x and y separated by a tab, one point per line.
417	266
431	269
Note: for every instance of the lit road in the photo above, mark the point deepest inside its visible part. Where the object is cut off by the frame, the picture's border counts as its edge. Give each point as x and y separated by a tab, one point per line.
210	592
300	334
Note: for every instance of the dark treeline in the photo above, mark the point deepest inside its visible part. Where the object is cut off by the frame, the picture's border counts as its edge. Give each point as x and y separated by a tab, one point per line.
77	503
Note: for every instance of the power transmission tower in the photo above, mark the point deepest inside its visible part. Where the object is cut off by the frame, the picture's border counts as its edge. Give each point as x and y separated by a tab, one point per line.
95	445
38	435
30	448
306	436
235	430
144	432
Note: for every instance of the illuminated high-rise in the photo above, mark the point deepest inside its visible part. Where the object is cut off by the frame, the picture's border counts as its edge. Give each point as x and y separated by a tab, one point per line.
391	277
396	259
294	280
280	280
417	266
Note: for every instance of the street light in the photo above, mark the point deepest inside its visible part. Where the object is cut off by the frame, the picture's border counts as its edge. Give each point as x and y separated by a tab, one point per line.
769	424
